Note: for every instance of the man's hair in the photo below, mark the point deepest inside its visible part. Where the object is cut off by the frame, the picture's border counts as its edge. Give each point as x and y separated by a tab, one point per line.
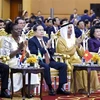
86	22
54	20
61	22
35	27
85	11
49	20
1	21
79	22
33	17
17	19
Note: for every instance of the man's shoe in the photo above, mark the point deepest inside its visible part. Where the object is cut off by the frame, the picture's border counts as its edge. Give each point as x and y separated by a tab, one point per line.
82	91
5	94
29	96
52	92
62	91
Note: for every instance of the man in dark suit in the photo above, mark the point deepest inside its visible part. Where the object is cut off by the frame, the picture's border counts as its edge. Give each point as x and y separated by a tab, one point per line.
4	72
74	15
39	16
85	16
79	29
39	42
55	27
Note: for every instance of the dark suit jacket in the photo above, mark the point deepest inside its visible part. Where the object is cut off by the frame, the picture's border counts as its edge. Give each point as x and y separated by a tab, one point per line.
93	17
78	32
84	17
51	29
41	18
34	44
47	29
71	16
93	45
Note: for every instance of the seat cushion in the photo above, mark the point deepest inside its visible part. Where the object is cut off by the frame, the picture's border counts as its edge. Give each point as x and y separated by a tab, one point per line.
54	72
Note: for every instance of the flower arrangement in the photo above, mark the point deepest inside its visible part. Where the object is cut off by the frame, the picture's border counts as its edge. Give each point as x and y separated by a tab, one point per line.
32	59
4	59
95	58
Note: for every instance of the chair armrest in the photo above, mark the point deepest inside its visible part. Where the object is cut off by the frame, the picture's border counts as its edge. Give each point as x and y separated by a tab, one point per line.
65	59
62	55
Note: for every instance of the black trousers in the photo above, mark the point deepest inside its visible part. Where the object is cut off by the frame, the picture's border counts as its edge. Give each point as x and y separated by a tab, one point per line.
4	71
61	67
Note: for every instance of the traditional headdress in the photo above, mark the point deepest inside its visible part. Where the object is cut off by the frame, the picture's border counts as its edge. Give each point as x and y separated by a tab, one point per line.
63	31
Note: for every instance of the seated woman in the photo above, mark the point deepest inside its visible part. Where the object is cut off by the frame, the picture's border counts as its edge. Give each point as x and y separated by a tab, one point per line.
13	46
94	41
68	45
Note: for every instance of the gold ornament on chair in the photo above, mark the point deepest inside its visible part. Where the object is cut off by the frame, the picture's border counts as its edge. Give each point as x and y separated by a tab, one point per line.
45	34
2	32
30	33
53	36
4	59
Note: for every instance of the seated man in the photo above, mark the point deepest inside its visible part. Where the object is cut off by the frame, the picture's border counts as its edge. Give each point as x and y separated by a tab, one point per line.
4	71
39	42
67	44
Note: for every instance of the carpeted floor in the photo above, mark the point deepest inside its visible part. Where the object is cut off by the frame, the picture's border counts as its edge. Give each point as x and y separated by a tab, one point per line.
93	96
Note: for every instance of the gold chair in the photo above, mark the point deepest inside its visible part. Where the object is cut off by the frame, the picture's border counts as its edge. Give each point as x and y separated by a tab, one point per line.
54	73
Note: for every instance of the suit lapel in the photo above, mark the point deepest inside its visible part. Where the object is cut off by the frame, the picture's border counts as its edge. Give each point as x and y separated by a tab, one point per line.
37	42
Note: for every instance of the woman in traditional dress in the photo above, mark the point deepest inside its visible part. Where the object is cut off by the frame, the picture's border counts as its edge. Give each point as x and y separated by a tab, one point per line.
13	46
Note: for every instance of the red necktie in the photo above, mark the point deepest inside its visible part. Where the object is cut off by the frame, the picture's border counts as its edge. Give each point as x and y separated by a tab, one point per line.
47	60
